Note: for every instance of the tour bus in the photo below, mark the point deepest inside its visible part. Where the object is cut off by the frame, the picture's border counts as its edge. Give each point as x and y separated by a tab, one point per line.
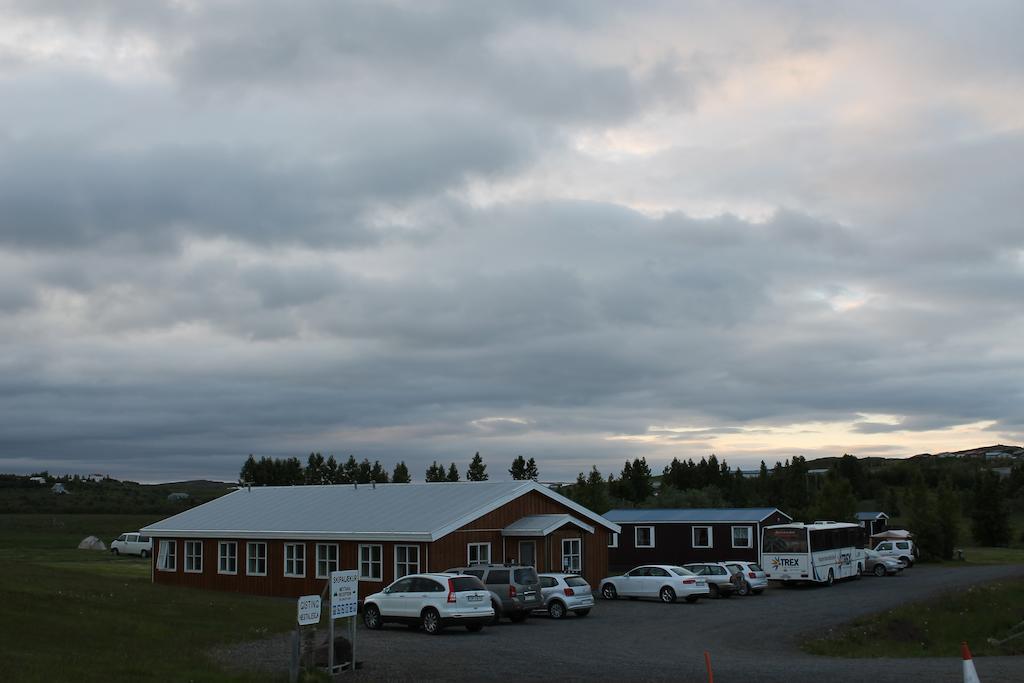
821	552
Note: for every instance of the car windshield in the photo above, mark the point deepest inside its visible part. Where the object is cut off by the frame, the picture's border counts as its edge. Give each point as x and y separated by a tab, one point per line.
576	581
523	576
679	571
754	567
467	583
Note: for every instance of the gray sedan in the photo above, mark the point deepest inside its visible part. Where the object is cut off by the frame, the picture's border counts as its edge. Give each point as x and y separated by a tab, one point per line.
566	593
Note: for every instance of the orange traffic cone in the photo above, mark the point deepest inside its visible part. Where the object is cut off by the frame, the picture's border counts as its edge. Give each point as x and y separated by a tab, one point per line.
970	675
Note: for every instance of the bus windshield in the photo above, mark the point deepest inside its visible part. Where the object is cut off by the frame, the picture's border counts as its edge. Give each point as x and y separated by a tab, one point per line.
785	540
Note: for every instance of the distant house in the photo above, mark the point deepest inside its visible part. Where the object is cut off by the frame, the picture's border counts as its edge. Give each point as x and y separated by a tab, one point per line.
285	540
59	489
677	536
873	522
95	477
38	480
174	497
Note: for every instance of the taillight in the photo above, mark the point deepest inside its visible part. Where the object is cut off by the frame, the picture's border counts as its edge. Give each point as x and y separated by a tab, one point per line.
511	591
568	591
752	575
451	591
689	581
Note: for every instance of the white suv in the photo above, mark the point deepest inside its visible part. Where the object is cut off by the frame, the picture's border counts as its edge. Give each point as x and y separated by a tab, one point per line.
903	551
132	544
431	601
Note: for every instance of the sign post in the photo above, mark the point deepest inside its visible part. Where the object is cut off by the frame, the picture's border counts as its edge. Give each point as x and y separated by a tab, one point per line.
344	601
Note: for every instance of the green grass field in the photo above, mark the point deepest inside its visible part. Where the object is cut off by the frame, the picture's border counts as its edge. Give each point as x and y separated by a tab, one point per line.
935	627
68	614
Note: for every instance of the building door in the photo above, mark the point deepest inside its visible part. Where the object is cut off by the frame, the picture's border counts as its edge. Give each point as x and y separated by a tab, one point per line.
528	553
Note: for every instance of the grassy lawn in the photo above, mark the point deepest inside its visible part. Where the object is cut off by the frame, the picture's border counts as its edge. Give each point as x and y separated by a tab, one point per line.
68	614
934	628
992	556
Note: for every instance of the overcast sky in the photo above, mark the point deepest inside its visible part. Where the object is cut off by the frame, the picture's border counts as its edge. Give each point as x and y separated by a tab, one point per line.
577	231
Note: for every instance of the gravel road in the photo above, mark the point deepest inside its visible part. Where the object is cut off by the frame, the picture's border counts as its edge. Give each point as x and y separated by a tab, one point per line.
751	640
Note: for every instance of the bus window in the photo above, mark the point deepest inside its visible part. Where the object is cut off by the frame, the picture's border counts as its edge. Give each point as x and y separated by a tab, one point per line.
785	541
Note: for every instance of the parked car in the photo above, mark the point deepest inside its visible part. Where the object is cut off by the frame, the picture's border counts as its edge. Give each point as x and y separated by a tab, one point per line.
431	601
564	593
515	587
755	579
901	550
663	581
132	543
880	565
717	575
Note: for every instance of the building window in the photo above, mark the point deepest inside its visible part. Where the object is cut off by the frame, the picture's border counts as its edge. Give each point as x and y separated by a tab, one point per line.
572	555
407	560
742	537
701	537
256	559
295	559
370	562
194	557
643	537
613	540
326	559
478	553
167	558
227	557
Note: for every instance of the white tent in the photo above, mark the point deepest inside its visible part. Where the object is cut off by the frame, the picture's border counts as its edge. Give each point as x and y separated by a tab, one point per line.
92	543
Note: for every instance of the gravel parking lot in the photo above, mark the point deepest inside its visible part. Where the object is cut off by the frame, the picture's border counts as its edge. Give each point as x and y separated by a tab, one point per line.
750	639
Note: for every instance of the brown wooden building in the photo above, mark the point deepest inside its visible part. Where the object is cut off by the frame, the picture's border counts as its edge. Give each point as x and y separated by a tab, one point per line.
285	540
678	536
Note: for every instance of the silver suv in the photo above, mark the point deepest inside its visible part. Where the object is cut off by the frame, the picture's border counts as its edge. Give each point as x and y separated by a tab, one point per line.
515	588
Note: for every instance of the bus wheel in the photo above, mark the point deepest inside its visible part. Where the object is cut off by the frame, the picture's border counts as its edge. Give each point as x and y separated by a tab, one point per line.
831	578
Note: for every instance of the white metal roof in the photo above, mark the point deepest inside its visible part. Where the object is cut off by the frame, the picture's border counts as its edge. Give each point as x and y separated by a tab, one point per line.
542	525
414	512
655	515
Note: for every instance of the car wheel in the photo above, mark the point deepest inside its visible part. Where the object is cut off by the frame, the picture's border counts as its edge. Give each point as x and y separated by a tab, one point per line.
474	628
905	562
691	599
582	612
145	554
831	578
114	550
431	621
371	617
556	609
860	570
744	589
879	570
608	592
714	591
497	614
667	595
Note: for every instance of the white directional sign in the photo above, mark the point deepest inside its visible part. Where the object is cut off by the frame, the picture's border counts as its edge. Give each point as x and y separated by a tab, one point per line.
344	593
309	610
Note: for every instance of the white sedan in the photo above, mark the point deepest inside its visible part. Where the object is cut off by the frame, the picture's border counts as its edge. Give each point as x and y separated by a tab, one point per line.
663	581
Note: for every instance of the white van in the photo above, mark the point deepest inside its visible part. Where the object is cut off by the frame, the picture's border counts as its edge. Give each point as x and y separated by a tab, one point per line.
132	544
901	550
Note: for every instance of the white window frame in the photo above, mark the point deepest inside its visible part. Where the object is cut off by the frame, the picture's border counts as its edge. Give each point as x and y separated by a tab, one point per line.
407	564
332	565
371	563
478	546
693	536
613	540
252	557
636	537
222	556
576	566
167	556
295	560
192	558
750	536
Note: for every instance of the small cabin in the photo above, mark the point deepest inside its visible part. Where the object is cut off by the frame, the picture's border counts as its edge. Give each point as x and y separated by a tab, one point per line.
872	522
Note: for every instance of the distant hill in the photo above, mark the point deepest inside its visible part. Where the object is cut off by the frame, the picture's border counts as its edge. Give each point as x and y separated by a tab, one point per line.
988	452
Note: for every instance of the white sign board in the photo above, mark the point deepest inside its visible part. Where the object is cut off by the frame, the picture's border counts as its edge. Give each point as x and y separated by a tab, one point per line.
309	610
344	593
